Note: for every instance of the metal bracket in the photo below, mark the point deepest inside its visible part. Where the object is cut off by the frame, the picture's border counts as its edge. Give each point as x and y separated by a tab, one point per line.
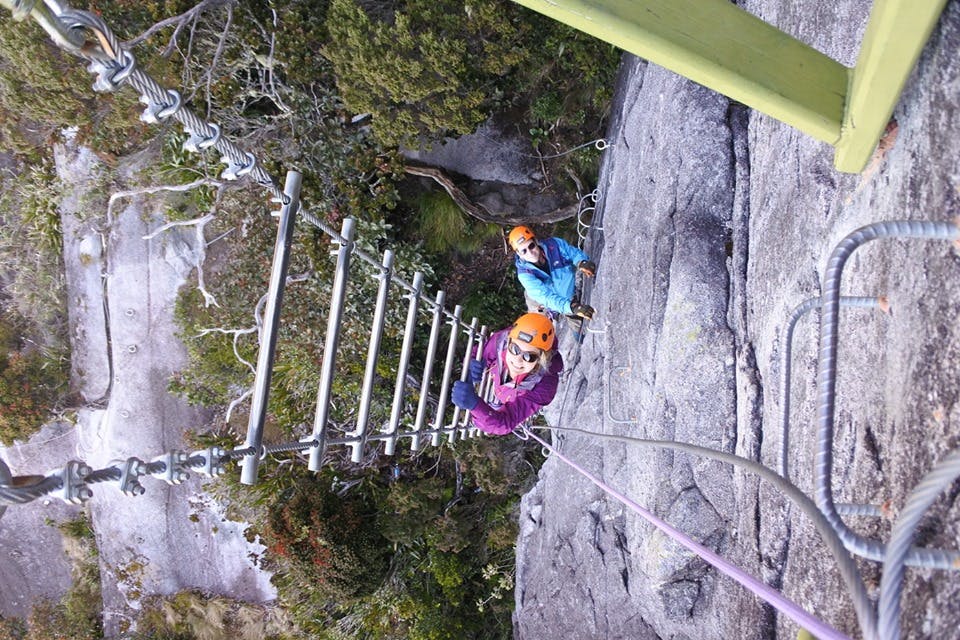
74	489
111	75
156	111
130	472
174	471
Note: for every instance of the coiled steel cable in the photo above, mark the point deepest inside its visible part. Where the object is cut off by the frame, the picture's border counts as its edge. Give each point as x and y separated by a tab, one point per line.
866	614
63	24
901	538
827	384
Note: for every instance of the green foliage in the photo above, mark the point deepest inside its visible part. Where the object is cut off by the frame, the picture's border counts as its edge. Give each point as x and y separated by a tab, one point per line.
495	303
30	248
30	385
444	227
190	615
330	545
409	508
44	90
434	68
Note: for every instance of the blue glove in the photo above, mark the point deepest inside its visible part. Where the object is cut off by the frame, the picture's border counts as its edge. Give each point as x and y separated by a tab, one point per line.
476	371
464	396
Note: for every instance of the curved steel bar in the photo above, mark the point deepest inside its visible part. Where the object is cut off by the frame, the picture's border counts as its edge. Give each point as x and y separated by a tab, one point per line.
866	615
610	401
827	383
901	539
785	373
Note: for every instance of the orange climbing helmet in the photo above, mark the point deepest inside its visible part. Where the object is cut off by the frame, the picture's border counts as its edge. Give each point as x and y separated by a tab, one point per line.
534	329
519	235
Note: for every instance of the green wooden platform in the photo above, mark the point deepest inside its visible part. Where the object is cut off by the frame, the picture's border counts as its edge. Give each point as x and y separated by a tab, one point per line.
721	46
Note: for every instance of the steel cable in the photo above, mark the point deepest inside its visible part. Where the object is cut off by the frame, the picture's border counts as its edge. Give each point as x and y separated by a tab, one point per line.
866	615
901	539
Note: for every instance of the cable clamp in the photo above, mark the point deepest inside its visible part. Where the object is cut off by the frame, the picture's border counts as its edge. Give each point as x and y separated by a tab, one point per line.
111	74
197	142
130	472
213	466
73	488
157	111
237	170
174	470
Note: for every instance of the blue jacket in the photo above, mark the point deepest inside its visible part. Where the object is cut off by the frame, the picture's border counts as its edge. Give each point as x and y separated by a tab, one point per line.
555	289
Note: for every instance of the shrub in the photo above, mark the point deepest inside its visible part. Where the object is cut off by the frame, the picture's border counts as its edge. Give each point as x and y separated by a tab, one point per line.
329	543
444	227
434	69
30	386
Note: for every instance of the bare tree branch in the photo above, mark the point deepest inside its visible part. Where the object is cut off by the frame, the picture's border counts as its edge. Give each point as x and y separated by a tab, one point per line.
179	22
479	211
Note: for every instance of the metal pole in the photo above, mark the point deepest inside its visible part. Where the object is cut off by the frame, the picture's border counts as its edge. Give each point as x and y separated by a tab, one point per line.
478	355
340	279
428	370
405	350
447	374
271	324
373	354
464	374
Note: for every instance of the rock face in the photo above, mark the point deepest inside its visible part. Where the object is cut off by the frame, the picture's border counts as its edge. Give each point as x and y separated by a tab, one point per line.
715	222
121	288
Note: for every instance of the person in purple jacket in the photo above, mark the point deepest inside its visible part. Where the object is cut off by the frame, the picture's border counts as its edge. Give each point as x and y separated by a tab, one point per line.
524	367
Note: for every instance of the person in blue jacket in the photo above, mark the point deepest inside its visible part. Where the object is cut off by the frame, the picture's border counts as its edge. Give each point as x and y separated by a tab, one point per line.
547	269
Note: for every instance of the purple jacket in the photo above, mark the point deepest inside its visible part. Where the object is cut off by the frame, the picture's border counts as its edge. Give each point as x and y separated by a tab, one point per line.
513	401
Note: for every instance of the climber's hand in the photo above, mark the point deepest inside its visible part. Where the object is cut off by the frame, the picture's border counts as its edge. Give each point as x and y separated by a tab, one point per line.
476	371
464	396
588	268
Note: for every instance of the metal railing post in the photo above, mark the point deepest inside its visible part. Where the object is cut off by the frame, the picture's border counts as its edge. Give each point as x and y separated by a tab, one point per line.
464	374
373	355
428	370
447	374
271	325
481	341
338	294
405	350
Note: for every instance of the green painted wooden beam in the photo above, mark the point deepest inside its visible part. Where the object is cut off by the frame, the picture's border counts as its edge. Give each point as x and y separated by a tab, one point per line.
896	34
720	46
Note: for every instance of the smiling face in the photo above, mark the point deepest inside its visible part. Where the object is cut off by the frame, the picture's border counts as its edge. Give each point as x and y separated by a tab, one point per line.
528	250
521	358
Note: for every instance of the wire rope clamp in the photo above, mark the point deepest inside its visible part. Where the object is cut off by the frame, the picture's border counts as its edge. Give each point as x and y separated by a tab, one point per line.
110	75
236	170
197	141
174	467
130	472
73	488
157	111
213	465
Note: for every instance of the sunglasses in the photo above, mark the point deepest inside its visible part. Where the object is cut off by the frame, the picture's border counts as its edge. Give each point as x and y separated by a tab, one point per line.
530	247
528	356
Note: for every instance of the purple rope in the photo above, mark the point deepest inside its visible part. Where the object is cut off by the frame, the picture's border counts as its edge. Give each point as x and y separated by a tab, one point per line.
817	627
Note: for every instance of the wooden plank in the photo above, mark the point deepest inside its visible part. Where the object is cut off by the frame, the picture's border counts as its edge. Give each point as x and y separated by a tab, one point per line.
896	34
722	47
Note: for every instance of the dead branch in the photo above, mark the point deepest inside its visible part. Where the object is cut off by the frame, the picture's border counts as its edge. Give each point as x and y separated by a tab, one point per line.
178	22
478	211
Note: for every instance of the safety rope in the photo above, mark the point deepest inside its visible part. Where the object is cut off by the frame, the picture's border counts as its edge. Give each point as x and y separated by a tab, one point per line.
783	604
